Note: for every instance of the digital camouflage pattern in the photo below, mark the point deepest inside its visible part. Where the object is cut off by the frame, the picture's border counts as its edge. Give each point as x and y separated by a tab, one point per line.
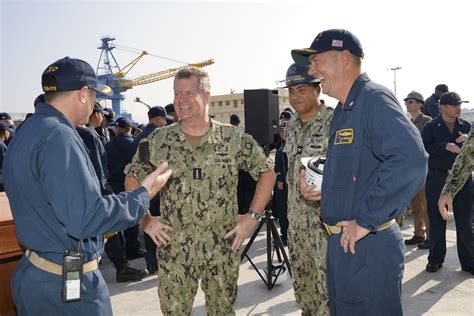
304	141
200	203
307	239
462	168
309	272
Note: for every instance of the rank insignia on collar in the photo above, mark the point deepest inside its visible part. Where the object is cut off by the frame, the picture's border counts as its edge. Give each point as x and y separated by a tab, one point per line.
349	106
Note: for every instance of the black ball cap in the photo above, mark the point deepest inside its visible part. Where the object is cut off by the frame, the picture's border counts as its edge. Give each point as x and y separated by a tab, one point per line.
451	98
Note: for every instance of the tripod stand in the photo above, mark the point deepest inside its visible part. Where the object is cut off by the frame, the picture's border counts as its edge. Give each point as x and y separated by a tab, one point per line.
273	272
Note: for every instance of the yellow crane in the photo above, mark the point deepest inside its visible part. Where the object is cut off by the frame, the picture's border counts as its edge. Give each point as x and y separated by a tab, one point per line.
109	73
160	75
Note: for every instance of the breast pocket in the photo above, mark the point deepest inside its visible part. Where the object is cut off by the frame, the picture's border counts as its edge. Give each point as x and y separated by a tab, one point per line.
316	145
342	159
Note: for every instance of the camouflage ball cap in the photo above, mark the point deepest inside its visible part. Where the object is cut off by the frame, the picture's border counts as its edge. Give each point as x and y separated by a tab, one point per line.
69	74
335	39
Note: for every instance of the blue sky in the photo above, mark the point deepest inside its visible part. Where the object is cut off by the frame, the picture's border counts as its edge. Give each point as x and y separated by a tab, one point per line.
250	42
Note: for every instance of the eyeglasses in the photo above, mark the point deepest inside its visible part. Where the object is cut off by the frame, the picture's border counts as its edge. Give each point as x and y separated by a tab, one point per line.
410	102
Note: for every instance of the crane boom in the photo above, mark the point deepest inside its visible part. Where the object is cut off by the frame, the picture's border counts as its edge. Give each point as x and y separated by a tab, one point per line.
124	71
160	75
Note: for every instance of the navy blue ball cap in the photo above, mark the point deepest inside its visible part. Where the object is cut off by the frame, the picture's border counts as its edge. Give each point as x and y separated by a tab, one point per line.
69	74
169	108
336	39
234	118
5	116
39	99
442	88
98	108
169	121
298	74
285	115
451	98
123	122
111	116
156	111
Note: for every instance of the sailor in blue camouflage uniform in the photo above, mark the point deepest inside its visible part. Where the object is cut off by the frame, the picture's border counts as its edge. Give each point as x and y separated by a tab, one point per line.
56	199
375	164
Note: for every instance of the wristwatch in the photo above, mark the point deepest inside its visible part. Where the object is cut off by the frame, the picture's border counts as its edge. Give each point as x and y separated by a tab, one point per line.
255	215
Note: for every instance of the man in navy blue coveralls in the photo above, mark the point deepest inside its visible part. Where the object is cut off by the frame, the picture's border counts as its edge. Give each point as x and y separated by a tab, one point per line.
120	151
375	164
115	246
443	138
56	199
157	118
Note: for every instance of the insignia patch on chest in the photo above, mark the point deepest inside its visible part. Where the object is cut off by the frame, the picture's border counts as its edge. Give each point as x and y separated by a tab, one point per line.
344	136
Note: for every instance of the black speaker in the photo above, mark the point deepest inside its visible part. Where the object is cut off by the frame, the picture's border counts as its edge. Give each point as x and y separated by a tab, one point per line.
261	115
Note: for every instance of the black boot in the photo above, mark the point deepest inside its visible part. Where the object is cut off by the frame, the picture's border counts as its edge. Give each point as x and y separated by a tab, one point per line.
425	245
152	268
414	240
125	273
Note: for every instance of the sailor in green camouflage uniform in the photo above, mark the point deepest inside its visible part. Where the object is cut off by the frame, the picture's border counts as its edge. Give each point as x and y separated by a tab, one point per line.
307	133
199	204
462	168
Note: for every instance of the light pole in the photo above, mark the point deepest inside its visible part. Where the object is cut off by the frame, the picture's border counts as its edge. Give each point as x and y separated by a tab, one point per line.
280	83
395	78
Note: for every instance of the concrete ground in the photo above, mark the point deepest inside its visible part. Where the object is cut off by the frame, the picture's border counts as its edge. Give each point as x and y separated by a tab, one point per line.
447	292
